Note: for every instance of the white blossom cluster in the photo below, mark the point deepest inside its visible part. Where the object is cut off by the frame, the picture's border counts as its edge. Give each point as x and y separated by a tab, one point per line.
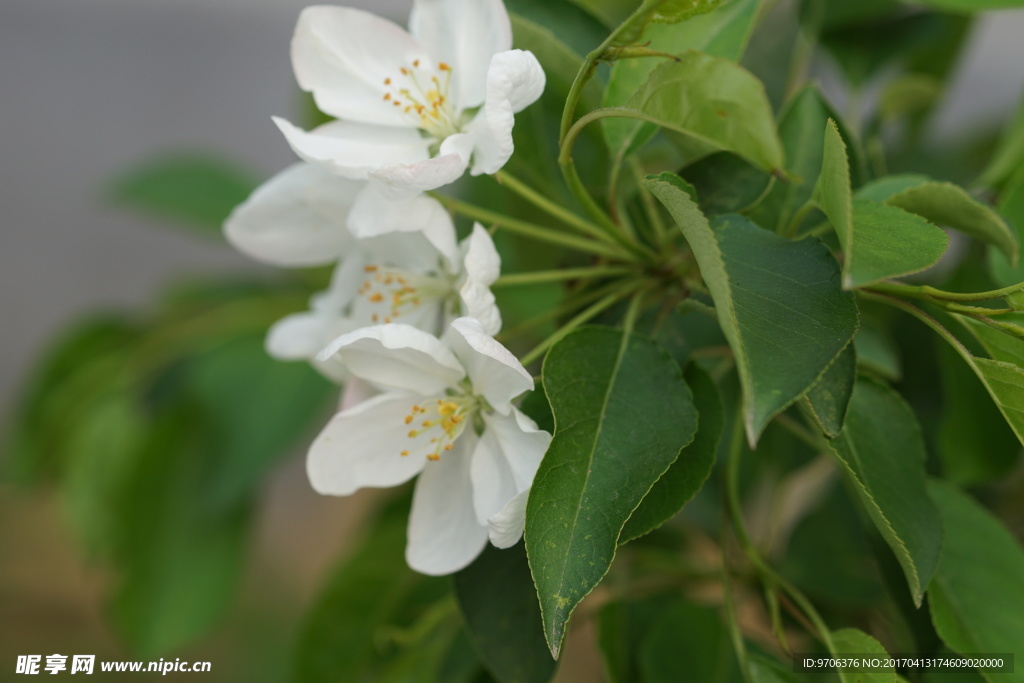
408	319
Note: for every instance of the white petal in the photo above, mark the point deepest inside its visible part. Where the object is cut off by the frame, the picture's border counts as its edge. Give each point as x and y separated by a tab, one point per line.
378	212
343	56
464	33
514	81
496	374
301	336
493	482
482	261
478	302
506	527
356	391
406	179
354	150
361	447
297	218
398	357
522	444
444	535
345	281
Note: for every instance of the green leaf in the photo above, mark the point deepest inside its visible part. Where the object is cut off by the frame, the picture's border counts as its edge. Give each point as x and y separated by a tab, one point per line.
715	102
807	110
977	597
726	184
764	670
950	205
877	352
576	28
372	595
974	442
499	603
889	242
1009	154
944	204
882	451
673	11
829	397
971	6
721	33
687	475
704	654
999	345
879	241
851	641
195	190
613	439
260	408
179	559
1005	384
1011	206
779	303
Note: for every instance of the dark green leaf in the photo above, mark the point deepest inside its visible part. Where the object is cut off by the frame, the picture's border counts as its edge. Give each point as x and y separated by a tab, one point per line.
687	475
977	597
1010	152
372	595
1011	206
499	603
970	6
877	352
974	441
576	28
613	439
829	398
716	103
883	453
778	301
704	654
195	190
726	184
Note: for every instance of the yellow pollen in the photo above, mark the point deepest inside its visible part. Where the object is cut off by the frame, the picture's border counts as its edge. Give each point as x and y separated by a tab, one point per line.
371	269
408	419
416	62
405	453
412	433
405	72
376	297
449	447
374	317
443	67
434	457
387	81
397	103
428	423
387	96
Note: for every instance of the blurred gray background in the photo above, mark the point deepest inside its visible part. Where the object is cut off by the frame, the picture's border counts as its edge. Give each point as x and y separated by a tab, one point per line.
90	87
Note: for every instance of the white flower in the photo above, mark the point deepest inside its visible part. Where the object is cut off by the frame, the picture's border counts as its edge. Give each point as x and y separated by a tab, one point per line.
299	218
415	109
393	278
446	414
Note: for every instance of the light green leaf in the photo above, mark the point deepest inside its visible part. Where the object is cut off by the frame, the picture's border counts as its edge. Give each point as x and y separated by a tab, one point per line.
829	397
851	641
779	303
499	603
879	241
673	11
716	103
764	670
1005	384
880	189
687	475
977	596
722	33
949	205
999	345
197	191
613	439
806	111
889	242
882	451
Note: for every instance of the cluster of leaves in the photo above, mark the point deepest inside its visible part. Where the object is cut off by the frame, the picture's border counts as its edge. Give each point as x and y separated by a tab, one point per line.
764	442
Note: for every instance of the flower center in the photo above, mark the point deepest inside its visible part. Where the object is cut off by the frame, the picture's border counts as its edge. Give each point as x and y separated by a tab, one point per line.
422	93
440	422
393	292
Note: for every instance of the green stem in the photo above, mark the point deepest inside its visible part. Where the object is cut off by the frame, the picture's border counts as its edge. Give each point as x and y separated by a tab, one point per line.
739	646
537	232
571	304
931	322
581	318
801	432
550	207
539	276
661	235
931	293
768	574
798	218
